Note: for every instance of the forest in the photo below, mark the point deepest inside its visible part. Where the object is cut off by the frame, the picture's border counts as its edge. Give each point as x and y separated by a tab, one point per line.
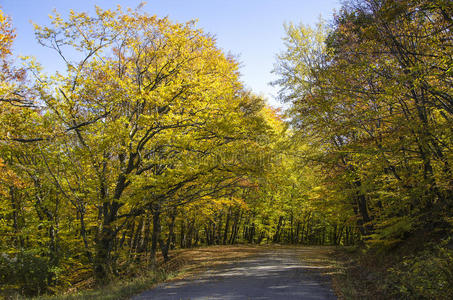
148	142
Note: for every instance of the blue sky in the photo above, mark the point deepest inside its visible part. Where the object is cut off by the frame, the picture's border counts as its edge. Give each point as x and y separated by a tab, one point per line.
249	29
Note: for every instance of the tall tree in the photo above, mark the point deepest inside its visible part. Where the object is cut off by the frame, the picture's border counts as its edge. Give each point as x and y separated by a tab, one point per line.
373	92
141	115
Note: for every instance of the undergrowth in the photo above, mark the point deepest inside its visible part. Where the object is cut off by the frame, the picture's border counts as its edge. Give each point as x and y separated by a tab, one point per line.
410	270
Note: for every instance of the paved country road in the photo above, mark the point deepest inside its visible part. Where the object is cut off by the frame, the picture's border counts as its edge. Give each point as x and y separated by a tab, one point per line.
273	274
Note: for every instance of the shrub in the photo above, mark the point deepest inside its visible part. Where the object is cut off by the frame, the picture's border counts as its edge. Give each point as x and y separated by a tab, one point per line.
25	272
427	275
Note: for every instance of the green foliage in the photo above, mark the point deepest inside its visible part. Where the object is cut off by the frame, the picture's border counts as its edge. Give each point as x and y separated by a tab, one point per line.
411	270
26	272
427	275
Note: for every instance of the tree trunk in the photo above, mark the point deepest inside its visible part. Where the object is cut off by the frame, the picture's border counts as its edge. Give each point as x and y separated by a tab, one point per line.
227	224
156	233
107	234
166	246
276	238
182	235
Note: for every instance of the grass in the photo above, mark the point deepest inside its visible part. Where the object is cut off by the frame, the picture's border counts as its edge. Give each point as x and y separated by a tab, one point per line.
348	272
119	289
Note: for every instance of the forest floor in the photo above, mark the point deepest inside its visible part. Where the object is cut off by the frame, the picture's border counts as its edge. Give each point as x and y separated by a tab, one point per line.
249	272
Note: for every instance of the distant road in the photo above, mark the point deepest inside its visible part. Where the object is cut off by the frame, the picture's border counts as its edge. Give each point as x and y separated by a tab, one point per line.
270	275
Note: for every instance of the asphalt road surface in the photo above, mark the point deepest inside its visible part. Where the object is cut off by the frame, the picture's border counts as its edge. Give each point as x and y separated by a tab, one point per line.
270	275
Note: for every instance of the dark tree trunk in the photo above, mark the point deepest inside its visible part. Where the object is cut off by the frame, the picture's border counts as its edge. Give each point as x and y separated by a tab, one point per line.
235	228
155	238
296	235
276	237
251	233
227	224
182	236
166	246
106	236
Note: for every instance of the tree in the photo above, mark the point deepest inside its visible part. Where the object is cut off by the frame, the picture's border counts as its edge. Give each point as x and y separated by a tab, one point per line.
141	115
372	93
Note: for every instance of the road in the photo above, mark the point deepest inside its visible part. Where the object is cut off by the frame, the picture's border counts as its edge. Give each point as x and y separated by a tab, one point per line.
270	275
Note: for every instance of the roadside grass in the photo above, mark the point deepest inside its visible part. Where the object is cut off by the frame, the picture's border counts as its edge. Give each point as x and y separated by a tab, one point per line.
344	280
119	289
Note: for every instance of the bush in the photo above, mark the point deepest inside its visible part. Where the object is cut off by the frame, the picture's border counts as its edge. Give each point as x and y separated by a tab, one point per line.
428	275
25	273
